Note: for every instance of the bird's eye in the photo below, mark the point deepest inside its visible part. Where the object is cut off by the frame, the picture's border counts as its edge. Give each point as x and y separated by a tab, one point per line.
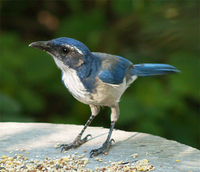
65	50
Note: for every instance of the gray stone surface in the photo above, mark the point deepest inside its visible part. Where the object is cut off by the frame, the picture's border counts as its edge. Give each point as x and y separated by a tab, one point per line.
40	138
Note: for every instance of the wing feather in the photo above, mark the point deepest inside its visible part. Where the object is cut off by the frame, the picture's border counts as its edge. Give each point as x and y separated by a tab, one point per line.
114	68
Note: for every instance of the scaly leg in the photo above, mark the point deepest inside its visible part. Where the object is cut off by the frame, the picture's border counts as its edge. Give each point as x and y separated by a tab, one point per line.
106	144
78	141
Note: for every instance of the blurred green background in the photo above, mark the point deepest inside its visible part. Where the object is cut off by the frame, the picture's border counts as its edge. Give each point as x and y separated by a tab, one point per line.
141	31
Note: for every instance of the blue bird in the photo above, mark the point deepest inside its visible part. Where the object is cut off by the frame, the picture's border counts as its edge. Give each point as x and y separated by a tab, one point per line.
96	79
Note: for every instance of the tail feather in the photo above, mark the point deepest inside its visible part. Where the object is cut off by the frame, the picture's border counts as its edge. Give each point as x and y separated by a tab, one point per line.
150	69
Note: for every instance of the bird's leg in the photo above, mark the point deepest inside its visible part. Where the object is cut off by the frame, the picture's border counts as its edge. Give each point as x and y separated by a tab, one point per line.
108	142
78	141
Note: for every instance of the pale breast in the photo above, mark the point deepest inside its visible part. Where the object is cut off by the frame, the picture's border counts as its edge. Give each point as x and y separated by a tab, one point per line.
75	86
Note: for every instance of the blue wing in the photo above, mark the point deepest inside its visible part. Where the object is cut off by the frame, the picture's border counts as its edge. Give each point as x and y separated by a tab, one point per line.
114	68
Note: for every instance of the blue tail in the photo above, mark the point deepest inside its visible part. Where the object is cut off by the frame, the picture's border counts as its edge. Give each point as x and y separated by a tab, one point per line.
150	69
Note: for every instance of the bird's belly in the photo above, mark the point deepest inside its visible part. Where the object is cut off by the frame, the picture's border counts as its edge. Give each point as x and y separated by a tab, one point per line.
108	95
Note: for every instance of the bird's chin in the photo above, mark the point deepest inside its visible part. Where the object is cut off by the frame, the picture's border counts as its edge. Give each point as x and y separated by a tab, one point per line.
50	54
60	63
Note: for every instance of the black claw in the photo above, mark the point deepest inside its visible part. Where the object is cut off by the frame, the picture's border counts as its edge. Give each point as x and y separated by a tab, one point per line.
89	135
102	149
92	152
75	144
65	147
91	155
95	152
112	140
62	145
62	149
86	137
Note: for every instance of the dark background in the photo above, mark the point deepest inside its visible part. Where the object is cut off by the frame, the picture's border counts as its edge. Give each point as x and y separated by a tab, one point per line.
141	31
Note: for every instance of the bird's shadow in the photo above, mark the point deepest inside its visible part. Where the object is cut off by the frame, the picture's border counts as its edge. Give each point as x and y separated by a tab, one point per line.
118	142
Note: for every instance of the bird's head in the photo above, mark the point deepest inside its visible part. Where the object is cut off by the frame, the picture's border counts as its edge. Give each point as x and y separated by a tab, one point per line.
67	52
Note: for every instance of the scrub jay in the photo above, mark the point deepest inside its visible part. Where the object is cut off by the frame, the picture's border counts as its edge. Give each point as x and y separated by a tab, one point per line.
96	79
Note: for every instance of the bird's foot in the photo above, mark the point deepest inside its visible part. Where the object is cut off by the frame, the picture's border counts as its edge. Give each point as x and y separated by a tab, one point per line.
102	149
76	143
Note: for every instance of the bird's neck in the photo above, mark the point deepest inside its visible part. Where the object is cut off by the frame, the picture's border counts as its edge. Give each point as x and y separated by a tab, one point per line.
90	67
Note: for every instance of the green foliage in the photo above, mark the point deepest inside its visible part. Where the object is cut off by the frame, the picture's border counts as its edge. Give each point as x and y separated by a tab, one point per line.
142	31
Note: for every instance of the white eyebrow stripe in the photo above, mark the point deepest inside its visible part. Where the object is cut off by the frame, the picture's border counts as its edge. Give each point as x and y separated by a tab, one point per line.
75	48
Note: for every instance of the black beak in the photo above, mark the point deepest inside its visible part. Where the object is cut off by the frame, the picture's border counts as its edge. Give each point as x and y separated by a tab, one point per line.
41	45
